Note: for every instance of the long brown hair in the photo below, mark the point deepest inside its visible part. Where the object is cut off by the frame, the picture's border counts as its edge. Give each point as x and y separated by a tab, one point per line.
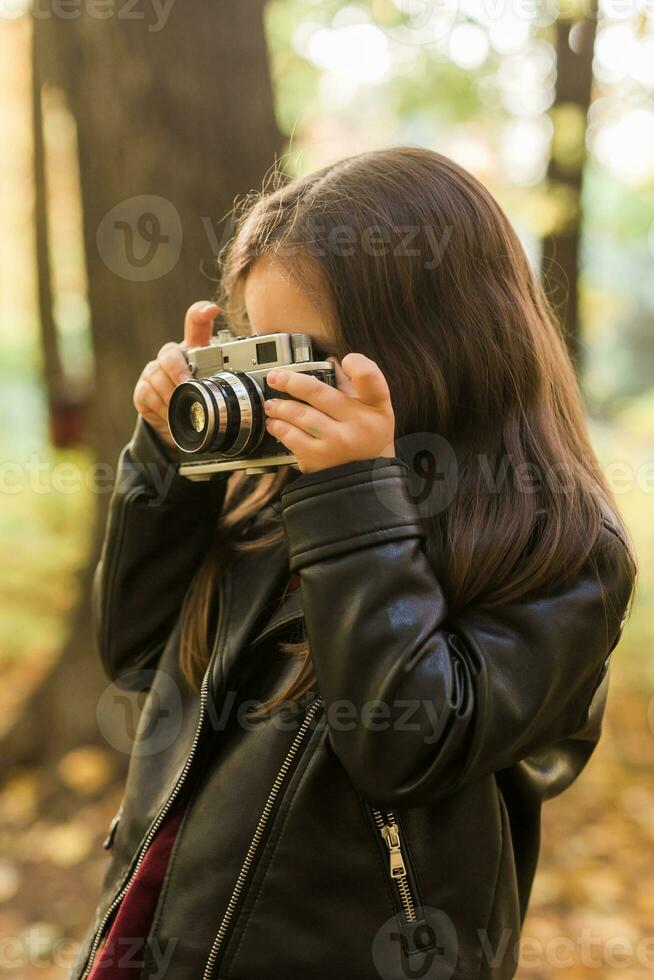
419	268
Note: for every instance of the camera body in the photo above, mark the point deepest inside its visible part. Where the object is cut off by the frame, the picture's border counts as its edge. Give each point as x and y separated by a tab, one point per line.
217	419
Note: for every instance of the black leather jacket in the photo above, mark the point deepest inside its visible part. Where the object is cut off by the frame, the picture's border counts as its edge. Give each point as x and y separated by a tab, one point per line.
390	826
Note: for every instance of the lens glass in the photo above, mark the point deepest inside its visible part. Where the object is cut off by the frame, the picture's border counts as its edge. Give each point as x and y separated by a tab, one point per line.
197	416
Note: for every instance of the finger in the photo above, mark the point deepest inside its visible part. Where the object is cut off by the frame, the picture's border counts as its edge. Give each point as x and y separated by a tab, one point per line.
154	419
312	390
160	380
369	383
198	323
295	440
146	397
314	423
174	363
343	383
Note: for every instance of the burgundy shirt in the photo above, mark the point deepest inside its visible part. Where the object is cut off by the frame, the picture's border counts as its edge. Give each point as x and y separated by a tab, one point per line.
121	951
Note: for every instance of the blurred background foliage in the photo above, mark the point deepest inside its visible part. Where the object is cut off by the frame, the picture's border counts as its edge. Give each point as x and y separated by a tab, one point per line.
476	80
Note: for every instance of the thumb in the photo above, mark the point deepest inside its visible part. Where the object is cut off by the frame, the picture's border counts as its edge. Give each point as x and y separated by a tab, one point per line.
369	383
198	323
343	383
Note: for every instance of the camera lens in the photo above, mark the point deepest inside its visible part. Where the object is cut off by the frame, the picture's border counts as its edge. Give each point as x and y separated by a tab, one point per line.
221	414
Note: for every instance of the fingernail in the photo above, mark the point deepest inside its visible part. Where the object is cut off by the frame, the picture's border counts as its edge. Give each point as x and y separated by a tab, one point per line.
272	376
206	307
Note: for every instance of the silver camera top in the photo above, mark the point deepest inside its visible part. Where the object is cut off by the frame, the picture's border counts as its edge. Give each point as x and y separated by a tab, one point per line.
255	352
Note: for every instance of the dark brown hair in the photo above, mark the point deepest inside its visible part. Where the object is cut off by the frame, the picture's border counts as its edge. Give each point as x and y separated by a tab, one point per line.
419	268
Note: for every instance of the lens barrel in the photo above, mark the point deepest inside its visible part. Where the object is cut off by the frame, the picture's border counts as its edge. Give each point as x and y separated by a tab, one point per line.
221	414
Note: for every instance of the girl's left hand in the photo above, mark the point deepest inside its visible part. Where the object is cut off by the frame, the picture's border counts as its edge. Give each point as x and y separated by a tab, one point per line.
353	421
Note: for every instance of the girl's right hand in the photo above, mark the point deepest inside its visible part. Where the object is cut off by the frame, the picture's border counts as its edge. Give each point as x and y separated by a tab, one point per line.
160	376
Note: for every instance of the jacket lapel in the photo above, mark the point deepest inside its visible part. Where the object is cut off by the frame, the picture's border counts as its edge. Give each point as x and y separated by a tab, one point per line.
288	610
253	581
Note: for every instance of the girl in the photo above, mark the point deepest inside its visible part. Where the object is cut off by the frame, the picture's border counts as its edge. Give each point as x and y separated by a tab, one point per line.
364	675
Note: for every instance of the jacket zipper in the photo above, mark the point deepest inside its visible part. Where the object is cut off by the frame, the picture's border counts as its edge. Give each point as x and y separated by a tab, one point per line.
257	838
390	832
418	935
169	802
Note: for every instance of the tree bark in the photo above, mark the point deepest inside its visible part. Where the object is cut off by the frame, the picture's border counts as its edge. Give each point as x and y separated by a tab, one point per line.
52	367
174	121
561	248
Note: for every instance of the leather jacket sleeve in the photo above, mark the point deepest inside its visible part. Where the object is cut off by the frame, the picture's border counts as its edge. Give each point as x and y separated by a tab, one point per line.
419	702
158	526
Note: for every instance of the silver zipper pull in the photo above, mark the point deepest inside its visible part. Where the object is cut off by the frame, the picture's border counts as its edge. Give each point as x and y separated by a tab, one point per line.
391	835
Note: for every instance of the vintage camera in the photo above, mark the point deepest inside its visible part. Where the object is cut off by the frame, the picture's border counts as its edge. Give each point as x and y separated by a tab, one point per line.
217	419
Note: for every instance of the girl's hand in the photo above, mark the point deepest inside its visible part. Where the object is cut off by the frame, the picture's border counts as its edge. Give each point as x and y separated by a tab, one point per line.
160	376
353	421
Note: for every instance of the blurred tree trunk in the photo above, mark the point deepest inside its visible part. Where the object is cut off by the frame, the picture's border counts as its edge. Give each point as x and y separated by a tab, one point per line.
175	119
52	366
575	42
67	397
